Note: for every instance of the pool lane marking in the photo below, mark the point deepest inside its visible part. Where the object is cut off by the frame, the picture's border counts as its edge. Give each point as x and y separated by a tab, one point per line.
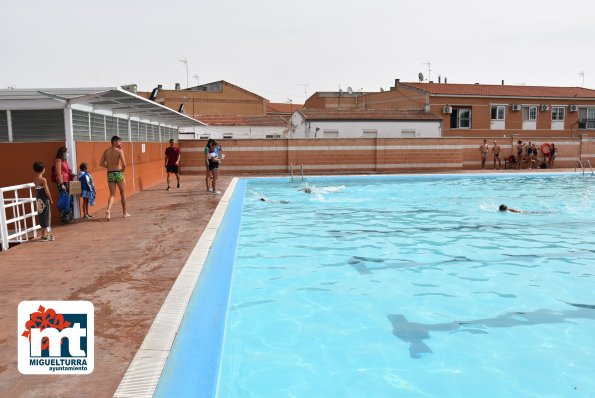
142	376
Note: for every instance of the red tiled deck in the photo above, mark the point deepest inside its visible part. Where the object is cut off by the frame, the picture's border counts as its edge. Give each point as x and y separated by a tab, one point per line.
125	268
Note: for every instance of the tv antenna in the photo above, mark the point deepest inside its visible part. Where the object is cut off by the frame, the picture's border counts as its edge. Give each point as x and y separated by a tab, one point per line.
429	64
185	62
582	75
197	80
305	85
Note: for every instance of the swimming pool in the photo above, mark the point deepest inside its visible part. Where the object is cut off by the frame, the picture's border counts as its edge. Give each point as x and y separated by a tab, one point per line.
408	286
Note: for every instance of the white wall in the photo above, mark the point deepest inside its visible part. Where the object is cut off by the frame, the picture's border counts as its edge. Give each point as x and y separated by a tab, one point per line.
355	129
243	132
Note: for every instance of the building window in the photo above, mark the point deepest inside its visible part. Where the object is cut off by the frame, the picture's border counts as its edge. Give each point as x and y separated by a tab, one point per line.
529	113
558	113
370	134
273	136
330	134
204	137
586	118
227	135
498	112
407	133
460	118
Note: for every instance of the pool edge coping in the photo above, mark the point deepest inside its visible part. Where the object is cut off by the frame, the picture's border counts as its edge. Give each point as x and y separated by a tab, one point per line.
145	369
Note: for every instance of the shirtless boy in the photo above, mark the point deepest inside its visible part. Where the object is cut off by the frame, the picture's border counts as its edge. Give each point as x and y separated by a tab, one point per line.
496	155
483	149
113	160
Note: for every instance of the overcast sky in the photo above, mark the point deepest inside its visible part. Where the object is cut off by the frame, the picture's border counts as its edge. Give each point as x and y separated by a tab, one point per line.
274	47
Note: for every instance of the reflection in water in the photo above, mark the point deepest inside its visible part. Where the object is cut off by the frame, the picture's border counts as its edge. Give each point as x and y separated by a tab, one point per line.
415	333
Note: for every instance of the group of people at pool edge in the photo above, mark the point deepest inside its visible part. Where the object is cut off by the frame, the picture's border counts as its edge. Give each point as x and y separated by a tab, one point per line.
213	153
527	152
114	160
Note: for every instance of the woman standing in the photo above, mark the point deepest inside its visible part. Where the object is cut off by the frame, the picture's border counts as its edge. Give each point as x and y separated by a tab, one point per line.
214	160
62	173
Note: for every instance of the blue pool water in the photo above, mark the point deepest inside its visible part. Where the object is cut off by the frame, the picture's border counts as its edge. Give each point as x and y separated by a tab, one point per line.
413	286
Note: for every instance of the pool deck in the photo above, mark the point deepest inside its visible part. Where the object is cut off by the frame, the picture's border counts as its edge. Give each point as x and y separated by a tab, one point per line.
114	265
125	267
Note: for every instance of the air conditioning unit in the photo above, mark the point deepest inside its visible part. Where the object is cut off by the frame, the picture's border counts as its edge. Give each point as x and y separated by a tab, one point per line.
573	108
516	107
447	109
545	108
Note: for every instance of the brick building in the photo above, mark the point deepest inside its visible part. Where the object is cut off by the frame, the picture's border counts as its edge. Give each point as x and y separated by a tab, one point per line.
216	98
480	110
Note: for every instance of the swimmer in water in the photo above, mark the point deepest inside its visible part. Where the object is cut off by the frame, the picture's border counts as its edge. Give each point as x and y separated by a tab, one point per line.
306	190
265	199
506	208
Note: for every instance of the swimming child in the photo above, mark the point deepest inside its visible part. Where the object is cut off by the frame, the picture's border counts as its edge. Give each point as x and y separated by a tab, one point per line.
87	189
44	200
506	208
265	199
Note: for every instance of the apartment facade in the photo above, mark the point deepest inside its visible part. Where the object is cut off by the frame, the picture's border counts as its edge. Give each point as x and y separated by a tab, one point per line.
479	110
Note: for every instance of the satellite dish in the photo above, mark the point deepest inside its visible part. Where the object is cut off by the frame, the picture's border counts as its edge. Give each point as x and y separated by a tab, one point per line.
349	90
381	89
420	76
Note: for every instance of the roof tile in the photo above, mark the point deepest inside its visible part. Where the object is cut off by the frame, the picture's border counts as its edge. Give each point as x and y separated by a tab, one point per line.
366	114
243	120
487	90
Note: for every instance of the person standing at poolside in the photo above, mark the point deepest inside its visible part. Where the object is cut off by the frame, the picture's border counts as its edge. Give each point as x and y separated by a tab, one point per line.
520	147
62	174
553	152
172	162
483	150
113	159
208	176
214	165
496	155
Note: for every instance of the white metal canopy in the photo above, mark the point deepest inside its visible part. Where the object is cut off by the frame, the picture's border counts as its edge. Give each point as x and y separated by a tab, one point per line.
112	100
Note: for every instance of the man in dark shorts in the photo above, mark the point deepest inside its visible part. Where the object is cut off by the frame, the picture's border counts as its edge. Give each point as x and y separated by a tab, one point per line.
172	162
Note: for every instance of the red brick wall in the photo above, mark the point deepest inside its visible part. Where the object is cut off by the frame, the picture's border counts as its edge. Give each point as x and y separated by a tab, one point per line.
232	100
344	101
400	98
337	156
143	169
481	117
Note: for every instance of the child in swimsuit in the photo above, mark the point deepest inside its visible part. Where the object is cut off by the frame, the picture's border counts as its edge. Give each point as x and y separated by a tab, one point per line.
44	200
87	189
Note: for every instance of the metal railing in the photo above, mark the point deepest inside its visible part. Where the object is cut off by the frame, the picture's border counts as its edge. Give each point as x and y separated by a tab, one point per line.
582	164
291	171
22	210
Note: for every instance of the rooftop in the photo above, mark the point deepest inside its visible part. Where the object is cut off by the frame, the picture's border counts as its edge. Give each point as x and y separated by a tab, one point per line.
277	107
366	114
489	90
111	99
243	120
